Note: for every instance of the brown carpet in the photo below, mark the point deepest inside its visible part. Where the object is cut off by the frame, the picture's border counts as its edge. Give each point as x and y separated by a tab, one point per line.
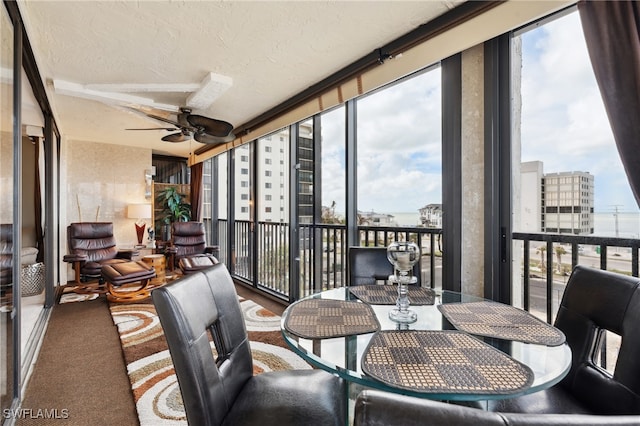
80	373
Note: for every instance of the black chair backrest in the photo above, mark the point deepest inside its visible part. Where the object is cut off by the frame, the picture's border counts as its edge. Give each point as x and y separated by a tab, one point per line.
93	239
188	238
370	264
594	301
193	311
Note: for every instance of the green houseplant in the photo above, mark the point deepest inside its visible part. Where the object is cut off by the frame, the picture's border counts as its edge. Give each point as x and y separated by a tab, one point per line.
174	209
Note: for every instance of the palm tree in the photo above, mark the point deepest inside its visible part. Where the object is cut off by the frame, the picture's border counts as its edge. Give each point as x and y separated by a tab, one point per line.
559	252
542	250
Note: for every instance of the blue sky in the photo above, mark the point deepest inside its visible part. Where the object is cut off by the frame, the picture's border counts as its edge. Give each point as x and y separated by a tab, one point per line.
564	124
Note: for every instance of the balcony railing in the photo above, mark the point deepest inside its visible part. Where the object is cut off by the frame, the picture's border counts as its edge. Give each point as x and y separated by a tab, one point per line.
542	260
544	273
317	272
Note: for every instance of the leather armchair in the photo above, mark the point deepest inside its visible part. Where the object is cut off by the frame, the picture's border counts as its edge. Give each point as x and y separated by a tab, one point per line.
92	245
370	264
377	408
593	301
188	250
221	389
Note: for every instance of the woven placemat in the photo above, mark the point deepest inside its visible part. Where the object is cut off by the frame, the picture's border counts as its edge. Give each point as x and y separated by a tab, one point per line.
387	294
492	319
443	362
324	318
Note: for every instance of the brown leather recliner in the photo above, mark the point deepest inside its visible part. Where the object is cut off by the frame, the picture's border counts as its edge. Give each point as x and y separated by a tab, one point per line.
92	245
189	250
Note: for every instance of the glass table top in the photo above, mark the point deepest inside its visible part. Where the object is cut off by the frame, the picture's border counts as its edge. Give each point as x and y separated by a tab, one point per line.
343	355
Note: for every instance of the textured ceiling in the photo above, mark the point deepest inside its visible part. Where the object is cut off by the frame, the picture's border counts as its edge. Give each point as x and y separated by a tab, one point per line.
271	50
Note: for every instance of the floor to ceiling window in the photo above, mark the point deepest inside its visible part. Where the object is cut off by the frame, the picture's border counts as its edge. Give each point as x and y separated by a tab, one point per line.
570	180
399	152
272	195
333	197
243	212
399	166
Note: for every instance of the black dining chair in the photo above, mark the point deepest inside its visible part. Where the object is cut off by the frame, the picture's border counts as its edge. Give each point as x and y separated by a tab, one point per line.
377	408
594	301
220	388
369	265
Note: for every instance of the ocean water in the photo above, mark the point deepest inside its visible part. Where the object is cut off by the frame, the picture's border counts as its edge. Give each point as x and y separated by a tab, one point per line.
626	225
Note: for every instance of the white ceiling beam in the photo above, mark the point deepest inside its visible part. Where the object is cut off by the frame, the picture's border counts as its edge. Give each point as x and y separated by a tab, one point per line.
81	91
211	88
145	87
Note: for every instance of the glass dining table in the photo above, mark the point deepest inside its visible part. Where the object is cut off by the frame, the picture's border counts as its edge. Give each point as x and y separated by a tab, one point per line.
353	356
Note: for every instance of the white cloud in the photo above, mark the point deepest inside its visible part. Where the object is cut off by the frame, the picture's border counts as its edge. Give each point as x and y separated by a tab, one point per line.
564	123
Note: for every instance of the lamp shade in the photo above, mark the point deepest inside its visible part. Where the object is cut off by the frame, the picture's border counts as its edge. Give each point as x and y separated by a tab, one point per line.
139	211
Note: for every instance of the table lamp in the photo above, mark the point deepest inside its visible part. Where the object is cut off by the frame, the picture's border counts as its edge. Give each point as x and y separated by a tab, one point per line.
139	212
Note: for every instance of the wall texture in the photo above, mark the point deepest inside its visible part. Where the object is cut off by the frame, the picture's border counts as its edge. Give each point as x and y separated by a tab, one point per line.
98	182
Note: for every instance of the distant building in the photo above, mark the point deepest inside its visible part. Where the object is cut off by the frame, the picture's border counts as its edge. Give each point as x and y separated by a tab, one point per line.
376	219
531	206
568	203
431	216
556	202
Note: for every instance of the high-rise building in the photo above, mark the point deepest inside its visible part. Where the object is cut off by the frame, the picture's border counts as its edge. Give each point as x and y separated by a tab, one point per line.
556	202
568	203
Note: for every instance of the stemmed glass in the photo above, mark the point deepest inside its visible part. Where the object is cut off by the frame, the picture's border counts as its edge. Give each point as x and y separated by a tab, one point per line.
403	255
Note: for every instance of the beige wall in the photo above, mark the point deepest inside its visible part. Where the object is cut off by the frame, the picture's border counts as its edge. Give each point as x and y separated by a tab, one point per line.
98	182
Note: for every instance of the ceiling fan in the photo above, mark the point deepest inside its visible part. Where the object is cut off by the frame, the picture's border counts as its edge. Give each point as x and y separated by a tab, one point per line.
187	125
203	129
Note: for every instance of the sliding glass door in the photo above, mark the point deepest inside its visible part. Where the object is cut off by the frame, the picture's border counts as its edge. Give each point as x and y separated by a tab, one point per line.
6	213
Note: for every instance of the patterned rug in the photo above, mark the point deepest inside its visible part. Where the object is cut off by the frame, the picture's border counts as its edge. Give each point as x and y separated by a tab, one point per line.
155	387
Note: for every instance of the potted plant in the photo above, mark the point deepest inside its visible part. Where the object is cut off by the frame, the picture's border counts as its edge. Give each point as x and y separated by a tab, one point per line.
175	209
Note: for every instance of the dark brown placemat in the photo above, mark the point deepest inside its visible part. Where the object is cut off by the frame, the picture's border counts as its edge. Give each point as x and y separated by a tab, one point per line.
324	318
492	319
387	294
447	362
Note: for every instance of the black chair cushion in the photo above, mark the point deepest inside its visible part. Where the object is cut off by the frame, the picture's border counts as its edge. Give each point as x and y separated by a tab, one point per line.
376	408
303	397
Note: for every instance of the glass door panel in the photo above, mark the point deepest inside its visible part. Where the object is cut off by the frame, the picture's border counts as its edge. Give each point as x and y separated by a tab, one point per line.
6	213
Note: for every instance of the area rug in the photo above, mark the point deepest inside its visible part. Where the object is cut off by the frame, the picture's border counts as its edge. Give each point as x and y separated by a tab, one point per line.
69	296
153	381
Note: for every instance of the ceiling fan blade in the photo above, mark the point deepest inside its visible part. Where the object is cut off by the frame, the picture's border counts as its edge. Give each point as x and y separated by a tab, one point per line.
158	128
210	126
166	120
176	137
206	138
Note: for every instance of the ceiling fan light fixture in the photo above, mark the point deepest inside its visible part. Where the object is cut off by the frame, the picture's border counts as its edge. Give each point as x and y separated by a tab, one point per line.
211	88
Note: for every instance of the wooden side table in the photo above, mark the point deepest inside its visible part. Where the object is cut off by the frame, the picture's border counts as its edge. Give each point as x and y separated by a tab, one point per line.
158	262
